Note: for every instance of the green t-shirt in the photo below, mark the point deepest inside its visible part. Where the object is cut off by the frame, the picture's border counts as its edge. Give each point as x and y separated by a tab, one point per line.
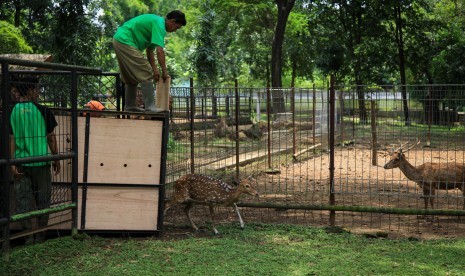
142	32
30	123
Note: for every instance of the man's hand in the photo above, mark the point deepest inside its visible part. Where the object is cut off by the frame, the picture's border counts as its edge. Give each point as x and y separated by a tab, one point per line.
56	166
156	76
16	173
165	76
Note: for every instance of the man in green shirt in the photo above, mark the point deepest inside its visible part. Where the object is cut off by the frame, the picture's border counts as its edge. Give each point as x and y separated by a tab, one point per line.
32	134
144	32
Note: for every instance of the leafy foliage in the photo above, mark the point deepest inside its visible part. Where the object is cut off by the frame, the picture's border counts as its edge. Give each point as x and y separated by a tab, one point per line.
204	54
450	64
331	59
12	40
73	47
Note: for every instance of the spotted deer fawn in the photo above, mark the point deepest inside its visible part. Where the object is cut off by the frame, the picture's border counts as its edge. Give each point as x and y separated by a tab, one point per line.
194	189
429	176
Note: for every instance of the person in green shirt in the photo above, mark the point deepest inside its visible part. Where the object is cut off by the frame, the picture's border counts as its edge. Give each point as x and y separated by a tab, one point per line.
144	32
32	133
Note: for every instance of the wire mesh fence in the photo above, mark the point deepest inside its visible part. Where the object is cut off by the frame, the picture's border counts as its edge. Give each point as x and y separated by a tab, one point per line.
306	173
317	155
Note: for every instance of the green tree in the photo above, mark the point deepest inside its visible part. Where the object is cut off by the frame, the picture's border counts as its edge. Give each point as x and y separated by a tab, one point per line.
254	36
408	25
298	51
242	35
12	40
205	55
32	18
350	22
108	17
448	63
74	34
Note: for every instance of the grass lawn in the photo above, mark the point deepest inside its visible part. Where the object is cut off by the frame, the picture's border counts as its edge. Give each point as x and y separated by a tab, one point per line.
258	250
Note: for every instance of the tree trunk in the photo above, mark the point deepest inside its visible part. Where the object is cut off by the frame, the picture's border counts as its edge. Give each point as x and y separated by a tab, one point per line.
400	46
17	13
284	9
355	40
361	101
293	73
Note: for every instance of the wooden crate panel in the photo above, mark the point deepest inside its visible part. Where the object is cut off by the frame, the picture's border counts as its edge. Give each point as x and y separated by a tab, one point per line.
120	208
122	151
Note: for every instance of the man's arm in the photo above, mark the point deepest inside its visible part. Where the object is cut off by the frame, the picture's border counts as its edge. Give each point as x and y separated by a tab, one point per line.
162	61
151	59
52	143
14	170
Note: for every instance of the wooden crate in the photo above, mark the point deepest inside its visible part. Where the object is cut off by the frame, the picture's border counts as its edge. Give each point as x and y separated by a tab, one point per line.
120	186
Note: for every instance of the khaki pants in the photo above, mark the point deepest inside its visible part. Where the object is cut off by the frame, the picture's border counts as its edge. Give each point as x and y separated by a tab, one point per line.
133	65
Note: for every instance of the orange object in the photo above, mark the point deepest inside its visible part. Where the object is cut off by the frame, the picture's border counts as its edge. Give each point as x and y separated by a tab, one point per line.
95	105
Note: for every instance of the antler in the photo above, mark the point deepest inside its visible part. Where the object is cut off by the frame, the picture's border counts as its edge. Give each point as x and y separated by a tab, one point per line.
402	146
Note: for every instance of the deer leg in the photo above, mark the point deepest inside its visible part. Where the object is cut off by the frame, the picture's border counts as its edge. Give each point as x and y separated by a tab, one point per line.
429	193
178	198
167	206
212	217
426	195
463	192
463	199
187	210
431	199
239	215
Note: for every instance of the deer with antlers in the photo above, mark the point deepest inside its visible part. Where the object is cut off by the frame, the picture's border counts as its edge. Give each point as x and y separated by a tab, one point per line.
429	176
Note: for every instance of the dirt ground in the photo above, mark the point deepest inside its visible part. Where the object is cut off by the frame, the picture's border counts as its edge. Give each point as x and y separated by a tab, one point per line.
357	183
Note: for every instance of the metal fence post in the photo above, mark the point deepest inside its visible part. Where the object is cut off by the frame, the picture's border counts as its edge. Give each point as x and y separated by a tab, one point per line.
332	199
294	150
314	114
268	119
237	99
119	93
5	171
374	136
74	141
192	116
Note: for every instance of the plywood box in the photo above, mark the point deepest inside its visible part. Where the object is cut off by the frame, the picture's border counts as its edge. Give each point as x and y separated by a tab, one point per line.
122	151
119	172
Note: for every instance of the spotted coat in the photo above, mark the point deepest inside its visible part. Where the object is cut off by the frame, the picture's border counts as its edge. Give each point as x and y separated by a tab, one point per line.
206	190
